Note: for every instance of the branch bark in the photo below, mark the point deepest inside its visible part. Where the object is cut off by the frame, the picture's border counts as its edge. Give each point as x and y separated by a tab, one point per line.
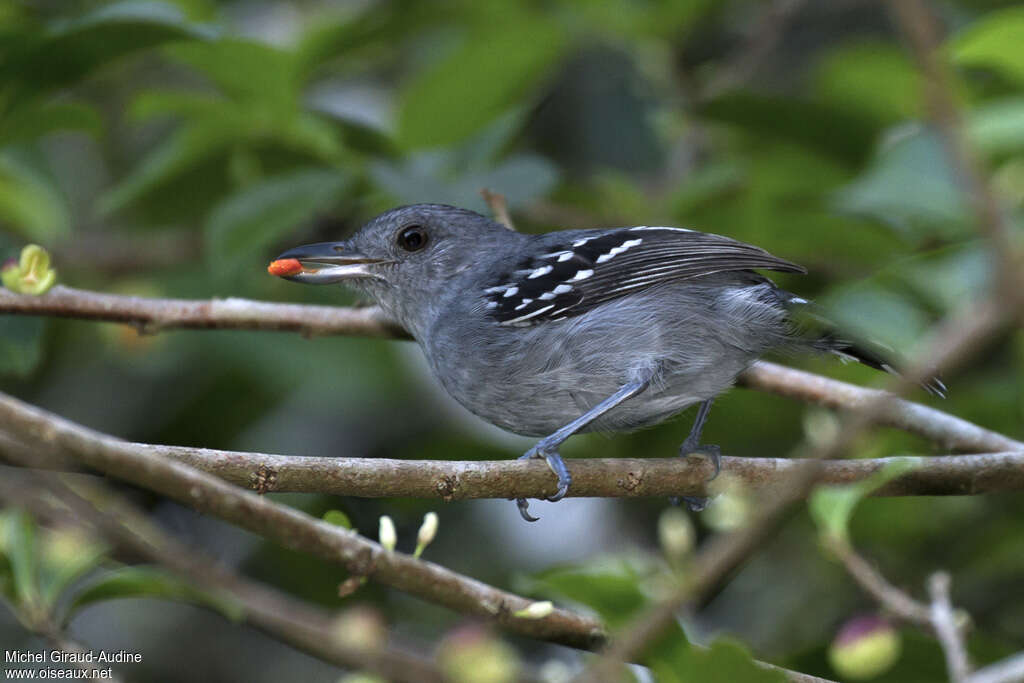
156	315
592	477
292	528
304	626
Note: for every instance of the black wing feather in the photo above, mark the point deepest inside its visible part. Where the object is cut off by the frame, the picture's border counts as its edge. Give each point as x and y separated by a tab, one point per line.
590	268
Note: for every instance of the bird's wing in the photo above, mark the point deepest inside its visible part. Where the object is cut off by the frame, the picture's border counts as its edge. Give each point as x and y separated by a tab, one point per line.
591	268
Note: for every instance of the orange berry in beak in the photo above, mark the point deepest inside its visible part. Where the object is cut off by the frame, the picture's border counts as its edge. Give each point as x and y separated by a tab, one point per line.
284	267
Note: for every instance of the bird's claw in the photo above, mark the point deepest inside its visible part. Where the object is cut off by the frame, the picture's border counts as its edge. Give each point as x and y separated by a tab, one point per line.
557	466
712	453
524	510
709	451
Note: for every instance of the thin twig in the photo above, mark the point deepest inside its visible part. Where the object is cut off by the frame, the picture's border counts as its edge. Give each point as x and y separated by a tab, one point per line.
943	620
499	207
896	601
292	528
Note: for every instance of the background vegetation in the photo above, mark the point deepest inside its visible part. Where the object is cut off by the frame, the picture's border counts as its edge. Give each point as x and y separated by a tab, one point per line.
173	148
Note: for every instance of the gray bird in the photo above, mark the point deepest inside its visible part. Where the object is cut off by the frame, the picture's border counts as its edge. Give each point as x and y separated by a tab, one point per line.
578	330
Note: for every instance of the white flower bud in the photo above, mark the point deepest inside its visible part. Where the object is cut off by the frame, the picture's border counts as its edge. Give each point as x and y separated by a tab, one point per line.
536	610
427	532
387	535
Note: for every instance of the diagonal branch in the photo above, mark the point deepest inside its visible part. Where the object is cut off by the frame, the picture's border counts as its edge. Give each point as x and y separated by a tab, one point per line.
942	428
292	528
304	626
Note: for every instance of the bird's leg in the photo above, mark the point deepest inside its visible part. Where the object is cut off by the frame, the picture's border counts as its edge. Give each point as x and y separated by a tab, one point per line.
692	445
547	447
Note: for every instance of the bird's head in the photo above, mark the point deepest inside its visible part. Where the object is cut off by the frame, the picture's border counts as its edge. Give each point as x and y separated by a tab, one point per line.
403	258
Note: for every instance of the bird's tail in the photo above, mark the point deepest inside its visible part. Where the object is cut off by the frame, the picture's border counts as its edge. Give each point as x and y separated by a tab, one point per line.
847	350
826	338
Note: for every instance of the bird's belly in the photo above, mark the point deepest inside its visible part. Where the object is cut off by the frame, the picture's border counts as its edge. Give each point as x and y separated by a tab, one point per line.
538	401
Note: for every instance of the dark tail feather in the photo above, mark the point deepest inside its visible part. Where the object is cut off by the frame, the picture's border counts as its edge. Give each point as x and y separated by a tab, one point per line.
847	350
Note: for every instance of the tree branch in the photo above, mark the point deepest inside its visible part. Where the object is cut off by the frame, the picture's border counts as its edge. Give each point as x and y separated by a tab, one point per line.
154	315
894	600
1009	670
304	626
592	477
944	622
942	428
292	528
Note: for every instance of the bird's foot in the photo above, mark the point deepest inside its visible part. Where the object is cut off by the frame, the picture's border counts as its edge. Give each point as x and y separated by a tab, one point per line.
712	453
548	452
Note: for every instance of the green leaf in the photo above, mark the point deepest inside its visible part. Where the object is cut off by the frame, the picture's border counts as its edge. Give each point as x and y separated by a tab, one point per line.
67	554
69	49
150	582
993	41
726	661
29	123
872	78
248	71
911	187
337	518
832	507
248	222
181	152
807	123
30	201
490	72
612	587
998	127
20	547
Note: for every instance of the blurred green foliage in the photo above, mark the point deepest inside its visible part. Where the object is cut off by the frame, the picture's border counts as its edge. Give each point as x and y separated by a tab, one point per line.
170	148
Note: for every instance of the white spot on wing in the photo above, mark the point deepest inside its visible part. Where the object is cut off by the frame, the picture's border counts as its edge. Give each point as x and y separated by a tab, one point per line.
529	315
499	288
566	256
511	291
540	272
581	275
615	251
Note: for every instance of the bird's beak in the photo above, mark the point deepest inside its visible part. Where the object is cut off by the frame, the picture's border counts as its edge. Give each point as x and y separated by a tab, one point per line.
324	263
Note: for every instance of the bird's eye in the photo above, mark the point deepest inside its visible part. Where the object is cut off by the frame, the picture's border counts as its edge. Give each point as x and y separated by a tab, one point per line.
412	238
